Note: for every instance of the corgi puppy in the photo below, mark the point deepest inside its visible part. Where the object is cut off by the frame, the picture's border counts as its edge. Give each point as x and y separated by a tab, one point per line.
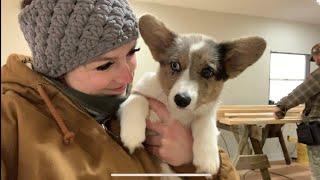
192	71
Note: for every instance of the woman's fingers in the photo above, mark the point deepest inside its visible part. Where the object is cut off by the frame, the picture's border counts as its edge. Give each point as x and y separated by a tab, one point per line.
153	150
153	140
160	109
158	152
156	126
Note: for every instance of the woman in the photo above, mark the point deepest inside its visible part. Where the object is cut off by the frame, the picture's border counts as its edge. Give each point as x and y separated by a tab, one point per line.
58	117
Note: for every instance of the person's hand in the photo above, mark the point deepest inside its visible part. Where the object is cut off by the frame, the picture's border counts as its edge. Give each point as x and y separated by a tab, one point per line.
173	144
278	113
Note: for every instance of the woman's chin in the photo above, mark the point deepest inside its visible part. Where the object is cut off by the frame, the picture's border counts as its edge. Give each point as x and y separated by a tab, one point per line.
117	94
114	93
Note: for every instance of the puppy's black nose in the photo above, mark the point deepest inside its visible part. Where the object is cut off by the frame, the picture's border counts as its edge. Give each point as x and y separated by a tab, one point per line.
182	100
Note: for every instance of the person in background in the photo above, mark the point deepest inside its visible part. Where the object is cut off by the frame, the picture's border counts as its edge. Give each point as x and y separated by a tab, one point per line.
309	93
58	115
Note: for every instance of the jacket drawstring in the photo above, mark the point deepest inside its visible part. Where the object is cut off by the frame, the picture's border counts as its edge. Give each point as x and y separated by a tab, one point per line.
68	136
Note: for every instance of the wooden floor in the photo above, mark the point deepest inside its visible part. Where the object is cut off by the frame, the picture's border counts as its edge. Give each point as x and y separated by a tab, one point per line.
280	171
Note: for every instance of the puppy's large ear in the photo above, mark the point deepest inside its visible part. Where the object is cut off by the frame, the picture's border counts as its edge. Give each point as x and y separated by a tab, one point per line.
241	53
156	35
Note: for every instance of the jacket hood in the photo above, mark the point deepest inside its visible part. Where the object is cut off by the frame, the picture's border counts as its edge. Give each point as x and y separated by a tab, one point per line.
16	73
16	76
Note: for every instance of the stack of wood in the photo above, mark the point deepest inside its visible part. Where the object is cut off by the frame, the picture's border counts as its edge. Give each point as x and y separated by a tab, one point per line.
255	114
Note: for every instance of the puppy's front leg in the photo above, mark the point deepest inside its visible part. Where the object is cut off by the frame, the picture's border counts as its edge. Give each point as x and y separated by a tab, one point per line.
133	113
205	144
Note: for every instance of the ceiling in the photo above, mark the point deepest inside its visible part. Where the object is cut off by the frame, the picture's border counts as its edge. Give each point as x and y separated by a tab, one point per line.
307	11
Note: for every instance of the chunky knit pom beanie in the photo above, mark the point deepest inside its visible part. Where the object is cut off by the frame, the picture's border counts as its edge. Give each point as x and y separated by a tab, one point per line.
63	34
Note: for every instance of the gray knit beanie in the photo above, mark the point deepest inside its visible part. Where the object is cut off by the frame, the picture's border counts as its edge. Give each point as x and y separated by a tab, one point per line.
63	34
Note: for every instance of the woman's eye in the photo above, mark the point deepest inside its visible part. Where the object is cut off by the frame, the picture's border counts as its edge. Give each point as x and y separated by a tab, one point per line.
207	72
104	66
175	66
133	51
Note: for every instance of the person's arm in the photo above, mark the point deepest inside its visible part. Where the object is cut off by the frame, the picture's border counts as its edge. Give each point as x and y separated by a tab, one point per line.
301	93
9	136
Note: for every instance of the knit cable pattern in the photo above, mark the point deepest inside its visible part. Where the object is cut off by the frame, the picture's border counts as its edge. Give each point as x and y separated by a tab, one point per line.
63	34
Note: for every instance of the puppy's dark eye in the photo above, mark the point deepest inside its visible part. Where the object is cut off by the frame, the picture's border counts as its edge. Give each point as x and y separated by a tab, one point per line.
104	66
207	72
175	66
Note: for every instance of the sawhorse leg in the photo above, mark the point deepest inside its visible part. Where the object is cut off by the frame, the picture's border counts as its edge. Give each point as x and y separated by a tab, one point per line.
284	148
257	148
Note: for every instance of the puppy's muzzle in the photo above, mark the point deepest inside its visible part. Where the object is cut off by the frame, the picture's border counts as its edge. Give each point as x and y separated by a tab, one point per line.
182	100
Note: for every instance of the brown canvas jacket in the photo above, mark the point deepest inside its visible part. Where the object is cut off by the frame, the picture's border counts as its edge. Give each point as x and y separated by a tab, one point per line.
44	135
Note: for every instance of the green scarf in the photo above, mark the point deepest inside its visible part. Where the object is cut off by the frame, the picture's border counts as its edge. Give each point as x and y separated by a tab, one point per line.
101	107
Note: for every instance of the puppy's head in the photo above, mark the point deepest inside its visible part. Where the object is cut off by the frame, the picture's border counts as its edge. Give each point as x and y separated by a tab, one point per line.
194	67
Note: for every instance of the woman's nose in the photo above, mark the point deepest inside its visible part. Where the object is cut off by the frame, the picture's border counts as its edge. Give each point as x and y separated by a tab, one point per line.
125	74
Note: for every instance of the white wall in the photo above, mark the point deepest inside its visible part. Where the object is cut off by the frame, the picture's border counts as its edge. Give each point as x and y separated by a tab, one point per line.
12	40
249	88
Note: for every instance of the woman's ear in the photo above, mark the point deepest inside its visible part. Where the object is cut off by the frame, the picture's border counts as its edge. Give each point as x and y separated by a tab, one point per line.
156	35
240	54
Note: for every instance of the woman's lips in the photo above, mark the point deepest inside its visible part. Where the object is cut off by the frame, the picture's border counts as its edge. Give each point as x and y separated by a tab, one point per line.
119	89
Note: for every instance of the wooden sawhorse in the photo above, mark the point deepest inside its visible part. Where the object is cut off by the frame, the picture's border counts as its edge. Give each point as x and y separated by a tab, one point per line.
257	124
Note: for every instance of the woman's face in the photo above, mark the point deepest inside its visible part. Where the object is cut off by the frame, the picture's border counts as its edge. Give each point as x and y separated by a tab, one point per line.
108	74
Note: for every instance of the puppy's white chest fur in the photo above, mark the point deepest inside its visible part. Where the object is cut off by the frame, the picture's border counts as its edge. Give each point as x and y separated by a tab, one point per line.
135	110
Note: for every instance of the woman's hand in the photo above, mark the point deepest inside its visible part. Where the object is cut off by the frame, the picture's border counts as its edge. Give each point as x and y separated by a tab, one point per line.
173	144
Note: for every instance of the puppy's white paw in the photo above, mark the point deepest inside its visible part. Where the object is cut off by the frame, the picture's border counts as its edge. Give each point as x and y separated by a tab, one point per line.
133	113
207	164
132	139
